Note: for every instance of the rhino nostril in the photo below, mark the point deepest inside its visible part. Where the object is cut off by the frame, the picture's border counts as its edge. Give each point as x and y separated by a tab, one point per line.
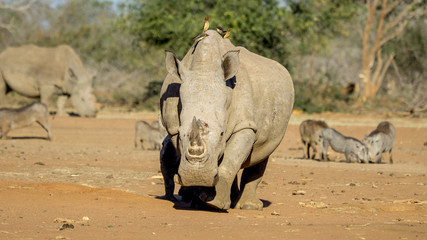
216	178
196	150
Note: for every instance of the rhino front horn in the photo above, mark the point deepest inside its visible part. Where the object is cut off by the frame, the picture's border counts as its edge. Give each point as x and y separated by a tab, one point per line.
197	147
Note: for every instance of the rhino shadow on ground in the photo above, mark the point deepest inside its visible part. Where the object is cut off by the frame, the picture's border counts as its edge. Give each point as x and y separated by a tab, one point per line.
199	204
265	203
70	114
27	138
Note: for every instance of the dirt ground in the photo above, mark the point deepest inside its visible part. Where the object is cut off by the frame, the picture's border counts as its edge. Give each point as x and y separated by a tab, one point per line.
90	182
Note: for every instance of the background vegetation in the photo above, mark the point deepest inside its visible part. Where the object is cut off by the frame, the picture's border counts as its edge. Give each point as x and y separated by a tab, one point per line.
319	41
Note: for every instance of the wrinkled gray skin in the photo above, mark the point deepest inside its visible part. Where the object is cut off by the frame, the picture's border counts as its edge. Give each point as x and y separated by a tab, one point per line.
11	118
153	134
379	141
352	148
225	108
41	72
310	131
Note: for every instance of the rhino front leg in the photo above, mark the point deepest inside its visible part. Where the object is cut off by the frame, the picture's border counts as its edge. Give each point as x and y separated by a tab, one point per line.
46	93
60	104
251	177
237	151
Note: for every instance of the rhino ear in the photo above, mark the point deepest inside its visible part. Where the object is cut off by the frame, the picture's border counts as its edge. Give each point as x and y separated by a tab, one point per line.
230	64
174	66
72	75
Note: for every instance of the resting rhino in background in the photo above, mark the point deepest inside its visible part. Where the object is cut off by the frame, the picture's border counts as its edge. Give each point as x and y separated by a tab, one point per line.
42	72
225	108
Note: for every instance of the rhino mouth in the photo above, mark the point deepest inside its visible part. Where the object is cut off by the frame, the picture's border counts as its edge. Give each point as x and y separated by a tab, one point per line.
196	182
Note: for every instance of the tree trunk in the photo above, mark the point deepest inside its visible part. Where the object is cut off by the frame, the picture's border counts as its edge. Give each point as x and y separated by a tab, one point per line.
373	67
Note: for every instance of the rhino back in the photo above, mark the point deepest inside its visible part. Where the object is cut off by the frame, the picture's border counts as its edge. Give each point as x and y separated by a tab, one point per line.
28	67
271	97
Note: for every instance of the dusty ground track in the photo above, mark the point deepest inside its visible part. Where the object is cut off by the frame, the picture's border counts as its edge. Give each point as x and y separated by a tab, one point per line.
91	177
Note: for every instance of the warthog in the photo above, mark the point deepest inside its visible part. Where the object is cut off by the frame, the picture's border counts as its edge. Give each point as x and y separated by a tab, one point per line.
379	141
11	118
153	134
310	131
225	109
351	147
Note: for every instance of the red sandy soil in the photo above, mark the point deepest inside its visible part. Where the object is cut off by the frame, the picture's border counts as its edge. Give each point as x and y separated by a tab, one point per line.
92	178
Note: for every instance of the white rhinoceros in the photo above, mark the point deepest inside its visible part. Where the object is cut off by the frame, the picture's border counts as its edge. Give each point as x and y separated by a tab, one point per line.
42	72
225	108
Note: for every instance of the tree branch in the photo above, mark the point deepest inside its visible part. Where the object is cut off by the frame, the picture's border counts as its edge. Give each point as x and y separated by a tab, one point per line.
22	8
379	33
392	6
366	33
384	70
403	14
394	34
378	68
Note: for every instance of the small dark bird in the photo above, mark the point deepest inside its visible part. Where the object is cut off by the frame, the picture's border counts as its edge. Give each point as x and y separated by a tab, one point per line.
227	33
205	25
200	37
220	30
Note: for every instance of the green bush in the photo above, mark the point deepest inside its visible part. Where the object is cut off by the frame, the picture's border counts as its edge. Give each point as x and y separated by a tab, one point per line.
321	97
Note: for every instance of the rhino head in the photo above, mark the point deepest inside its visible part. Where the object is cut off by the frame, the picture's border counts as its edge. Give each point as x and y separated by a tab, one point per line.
205	98
82	98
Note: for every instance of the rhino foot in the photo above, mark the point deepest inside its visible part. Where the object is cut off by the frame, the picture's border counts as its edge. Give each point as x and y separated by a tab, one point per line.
256	205
170	198
219	204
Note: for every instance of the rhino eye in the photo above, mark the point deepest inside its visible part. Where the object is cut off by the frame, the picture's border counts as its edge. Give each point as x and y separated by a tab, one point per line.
222	133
